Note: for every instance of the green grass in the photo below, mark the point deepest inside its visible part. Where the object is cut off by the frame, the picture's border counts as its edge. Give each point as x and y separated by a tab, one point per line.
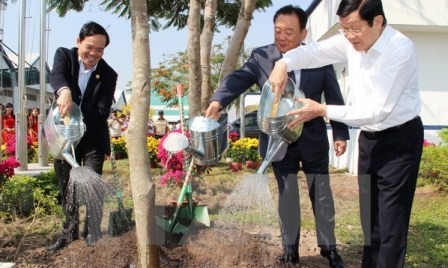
428	232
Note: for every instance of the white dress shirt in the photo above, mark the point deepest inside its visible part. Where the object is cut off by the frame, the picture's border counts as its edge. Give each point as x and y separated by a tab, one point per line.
84	76
383	81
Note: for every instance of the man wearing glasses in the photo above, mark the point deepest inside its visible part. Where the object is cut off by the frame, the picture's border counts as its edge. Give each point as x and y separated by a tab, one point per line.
385	104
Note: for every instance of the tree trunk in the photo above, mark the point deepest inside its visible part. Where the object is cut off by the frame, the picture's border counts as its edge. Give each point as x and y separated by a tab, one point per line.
143	188
194	67
237	40
206	47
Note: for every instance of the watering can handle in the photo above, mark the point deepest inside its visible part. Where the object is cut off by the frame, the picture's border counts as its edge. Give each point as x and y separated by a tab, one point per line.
67	120
274	109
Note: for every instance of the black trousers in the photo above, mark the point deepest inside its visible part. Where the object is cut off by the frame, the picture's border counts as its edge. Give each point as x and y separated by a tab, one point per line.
388	167
86	155
319	192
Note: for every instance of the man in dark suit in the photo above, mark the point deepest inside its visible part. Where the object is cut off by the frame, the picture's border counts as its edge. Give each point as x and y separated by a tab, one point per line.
81	76
310	151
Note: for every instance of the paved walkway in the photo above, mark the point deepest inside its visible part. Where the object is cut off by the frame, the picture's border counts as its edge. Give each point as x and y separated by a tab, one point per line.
33	169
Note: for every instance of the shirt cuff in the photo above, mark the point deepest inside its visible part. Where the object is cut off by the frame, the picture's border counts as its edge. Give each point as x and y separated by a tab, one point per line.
288	63
220	105
61	89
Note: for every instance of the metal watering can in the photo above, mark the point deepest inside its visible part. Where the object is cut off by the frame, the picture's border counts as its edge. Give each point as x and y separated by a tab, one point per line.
208	140
64	133
272	120
208	143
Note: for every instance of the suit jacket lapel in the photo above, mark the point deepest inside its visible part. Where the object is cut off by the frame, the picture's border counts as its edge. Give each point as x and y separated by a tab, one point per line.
276	55
75	69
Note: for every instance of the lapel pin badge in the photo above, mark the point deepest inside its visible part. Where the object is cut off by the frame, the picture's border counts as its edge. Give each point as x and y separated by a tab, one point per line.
97	76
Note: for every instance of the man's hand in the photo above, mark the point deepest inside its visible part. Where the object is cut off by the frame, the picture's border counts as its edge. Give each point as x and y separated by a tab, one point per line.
64	102
340	147
278	79
310	110
213	110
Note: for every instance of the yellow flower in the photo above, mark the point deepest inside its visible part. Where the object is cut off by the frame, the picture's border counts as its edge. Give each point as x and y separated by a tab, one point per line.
120	146
244	149
152	144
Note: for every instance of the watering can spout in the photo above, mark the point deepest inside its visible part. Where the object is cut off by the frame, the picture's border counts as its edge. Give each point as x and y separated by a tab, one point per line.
264	165
195	152
70	159
275	152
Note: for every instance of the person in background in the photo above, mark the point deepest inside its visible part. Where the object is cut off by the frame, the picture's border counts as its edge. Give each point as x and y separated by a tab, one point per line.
8	123
33	124
311	151
150	128
161	126
385	105
115	124
125	119
80	75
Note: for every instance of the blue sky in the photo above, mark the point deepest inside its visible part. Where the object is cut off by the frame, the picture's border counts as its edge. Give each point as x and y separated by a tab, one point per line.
63	32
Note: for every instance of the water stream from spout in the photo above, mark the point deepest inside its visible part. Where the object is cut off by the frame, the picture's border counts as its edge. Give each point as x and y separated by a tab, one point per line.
249	213
86	187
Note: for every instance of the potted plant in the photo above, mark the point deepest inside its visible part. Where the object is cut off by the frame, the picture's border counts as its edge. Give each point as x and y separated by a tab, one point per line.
251	154
236	153
253	159
233	136
242	150
152	144
120	148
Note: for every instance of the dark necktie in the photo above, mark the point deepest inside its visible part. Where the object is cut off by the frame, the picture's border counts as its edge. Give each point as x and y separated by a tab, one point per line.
292	76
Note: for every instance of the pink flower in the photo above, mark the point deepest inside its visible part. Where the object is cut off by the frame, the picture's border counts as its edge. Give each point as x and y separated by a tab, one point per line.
10	149
7	168
233	135
427	143
173	163
172	178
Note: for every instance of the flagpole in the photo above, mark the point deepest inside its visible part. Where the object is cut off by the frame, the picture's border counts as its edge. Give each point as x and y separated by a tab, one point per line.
42	147
19	106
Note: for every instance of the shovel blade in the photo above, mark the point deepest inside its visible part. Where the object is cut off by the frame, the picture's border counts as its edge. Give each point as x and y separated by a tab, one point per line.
199	214
120	222
166	225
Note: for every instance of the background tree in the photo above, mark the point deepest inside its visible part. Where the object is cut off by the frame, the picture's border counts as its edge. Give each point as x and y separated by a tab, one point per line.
173	70
239	34
207	15
236	44
194	64
206	47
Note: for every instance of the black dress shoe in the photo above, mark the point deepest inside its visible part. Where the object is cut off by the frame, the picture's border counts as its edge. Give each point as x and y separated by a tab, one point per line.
289	259
61	243
334	259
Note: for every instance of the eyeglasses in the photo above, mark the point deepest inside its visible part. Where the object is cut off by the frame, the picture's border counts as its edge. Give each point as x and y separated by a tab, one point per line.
347	31
356	28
